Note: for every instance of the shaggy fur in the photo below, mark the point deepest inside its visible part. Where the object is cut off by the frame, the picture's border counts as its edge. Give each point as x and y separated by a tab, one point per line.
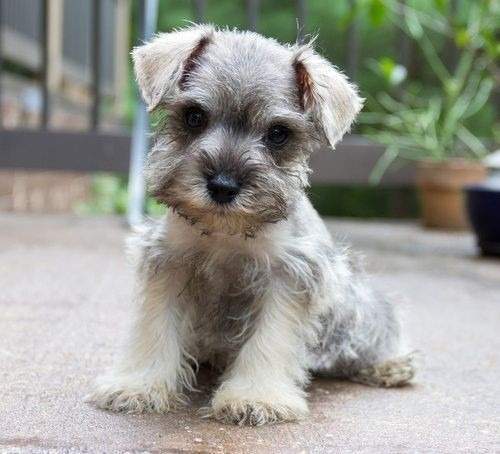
256	287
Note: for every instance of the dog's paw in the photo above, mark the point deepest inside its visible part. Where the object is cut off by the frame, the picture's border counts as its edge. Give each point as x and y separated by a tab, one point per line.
254	411
396	372
126	396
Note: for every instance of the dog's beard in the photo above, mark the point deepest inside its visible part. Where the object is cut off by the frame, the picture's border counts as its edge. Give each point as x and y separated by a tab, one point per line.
244	216
266	195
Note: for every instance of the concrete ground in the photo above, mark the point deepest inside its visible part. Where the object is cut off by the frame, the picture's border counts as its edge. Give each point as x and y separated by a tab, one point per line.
64	306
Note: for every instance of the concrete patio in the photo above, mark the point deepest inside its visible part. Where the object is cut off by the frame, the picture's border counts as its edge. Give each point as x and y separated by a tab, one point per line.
65	303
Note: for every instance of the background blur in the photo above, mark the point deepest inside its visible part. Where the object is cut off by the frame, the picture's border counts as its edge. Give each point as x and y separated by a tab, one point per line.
68	96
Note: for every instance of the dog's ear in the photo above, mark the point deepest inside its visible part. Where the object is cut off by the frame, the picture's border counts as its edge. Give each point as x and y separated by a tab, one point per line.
163	65
326	93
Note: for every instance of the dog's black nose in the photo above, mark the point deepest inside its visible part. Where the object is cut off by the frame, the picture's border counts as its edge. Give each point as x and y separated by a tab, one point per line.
223	188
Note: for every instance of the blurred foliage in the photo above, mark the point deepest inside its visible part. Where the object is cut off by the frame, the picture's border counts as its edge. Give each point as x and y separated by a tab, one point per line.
379	31
364	202
391	88
109	196
419	121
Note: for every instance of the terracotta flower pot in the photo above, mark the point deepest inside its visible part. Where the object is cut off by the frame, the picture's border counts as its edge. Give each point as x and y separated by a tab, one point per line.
440	186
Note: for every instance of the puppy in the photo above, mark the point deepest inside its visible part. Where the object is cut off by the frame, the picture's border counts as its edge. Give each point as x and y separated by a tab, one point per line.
241	272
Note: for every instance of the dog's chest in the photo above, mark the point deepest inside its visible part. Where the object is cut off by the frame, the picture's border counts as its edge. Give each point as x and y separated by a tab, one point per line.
224	303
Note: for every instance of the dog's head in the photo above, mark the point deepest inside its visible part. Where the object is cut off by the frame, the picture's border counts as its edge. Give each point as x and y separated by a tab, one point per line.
243	115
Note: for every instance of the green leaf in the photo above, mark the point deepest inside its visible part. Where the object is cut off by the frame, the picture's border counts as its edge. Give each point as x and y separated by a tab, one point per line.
386	65
383	163
451	87
462	38
346	19
390	103
471	141
377	11
441	5
413	24
481	97
433	58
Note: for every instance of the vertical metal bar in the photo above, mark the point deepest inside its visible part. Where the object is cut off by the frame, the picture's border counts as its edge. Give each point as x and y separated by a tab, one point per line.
252	9
44	51
148	15
352	45
95	33
301	7
199	11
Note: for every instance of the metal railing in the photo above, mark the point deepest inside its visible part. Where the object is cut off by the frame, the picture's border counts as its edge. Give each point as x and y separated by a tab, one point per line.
95	150
27	40
136	184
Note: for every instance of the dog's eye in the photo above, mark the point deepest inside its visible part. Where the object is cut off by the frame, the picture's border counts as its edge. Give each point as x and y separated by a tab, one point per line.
277	135
195	118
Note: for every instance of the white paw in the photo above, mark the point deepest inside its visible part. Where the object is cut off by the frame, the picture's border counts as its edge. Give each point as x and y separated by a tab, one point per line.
255	410
122	394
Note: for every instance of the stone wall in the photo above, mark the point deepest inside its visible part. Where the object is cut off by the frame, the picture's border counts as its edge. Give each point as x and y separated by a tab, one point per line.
43	191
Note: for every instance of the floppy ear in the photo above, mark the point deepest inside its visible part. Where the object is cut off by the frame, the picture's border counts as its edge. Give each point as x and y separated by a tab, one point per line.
326	93
163	65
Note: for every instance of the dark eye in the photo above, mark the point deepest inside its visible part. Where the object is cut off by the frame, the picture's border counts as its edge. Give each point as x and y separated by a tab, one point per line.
195	118
277	136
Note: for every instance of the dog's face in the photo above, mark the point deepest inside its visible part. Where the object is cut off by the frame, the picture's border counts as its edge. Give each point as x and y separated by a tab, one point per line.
243	115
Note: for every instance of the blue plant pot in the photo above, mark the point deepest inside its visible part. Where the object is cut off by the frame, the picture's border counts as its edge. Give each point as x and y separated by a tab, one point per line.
483	208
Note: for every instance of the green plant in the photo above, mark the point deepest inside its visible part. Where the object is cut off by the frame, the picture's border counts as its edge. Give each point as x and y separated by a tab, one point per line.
109	196
420	123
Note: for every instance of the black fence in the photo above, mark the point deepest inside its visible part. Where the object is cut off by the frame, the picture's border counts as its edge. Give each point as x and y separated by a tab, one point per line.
95	150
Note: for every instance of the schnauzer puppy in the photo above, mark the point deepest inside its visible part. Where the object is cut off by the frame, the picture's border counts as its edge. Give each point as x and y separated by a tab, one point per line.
241	272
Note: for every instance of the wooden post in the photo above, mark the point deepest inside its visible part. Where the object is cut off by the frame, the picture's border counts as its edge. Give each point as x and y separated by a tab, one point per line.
55	44
121	53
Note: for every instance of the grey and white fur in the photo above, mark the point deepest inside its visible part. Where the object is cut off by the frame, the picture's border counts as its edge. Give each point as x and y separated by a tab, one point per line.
241	272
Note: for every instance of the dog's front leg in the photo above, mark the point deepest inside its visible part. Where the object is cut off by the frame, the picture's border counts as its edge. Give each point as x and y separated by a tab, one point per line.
265	382
153	369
